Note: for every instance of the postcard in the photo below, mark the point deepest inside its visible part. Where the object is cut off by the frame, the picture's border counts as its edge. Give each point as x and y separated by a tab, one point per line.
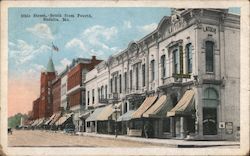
124	78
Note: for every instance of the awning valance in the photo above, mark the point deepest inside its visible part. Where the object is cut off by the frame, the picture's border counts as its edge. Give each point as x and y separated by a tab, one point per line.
144	107
160	108
127	116
184	106
84	115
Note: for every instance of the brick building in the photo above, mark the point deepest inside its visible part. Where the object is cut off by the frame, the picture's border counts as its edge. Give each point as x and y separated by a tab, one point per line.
35	109
56	94
75	86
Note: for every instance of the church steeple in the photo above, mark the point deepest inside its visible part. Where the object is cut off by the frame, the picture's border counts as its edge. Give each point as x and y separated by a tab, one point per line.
50	66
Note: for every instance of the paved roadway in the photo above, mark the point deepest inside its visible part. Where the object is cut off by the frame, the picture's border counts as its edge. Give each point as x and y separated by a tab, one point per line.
38	138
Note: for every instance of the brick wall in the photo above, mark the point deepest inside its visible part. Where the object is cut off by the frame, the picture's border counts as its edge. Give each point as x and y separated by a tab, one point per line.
56	95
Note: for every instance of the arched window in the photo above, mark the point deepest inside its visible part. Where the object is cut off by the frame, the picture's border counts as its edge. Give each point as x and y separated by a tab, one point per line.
189	57
211	100
176	64
163	66
152	64
209	56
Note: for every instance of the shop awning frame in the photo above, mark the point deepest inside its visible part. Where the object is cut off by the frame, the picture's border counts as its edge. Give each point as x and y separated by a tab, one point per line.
126	116
184	106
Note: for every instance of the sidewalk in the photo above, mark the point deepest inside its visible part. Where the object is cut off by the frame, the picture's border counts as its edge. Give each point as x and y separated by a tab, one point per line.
165	142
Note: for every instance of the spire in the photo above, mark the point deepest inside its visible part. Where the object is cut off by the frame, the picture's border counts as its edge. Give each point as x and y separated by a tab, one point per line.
50	66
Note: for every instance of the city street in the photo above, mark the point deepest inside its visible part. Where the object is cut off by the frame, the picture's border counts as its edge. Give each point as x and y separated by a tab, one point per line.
38	138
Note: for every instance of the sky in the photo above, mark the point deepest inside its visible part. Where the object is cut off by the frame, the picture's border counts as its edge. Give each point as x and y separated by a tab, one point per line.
86	32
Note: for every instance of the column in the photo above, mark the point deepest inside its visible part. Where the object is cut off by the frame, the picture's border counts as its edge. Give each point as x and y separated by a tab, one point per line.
172	126
182	129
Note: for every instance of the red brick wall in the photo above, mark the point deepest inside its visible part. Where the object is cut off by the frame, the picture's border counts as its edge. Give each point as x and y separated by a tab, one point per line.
45	108
75	99
74	76
56	92
35	109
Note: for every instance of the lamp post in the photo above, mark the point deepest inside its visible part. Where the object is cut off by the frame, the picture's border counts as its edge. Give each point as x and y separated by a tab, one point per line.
116	111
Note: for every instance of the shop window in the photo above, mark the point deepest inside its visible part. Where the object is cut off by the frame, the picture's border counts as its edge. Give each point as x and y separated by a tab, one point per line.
209	56
163	66
166	125
152	64
176	61
143	75
189	57
210	112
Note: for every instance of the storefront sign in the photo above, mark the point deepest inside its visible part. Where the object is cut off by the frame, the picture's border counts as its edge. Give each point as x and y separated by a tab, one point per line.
209	29
229	127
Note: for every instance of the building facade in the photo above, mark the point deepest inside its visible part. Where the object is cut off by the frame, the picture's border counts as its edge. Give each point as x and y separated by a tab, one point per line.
56	94
187	63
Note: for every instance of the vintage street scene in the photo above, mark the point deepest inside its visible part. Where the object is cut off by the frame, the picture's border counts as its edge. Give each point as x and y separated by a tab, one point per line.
124	77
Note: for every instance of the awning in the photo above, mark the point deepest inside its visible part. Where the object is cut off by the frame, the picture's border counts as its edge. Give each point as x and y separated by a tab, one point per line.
106	113
160	108
48	121
127	116
94	115
35	122
63	119
40	122
184	106
144	107
57	116
84	115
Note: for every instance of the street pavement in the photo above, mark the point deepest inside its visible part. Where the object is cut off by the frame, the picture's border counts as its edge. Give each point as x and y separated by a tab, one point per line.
39	138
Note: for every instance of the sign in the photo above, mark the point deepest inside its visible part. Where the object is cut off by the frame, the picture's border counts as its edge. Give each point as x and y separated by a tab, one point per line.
229	127
209	29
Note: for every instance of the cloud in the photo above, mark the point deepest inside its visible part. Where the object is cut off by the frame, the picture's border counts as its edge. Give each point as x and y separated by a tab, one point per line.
76	43
147	28
65	62
21	52
41	30
127	24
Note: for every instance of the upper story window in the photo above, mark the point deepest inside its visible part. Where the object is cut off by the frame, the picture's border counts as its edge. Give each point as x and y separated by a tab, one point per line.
152	64
106	91
93	96
102	94
125	81
131	79
111	85
143	75
163	66
176	63
120	83
88	98
189	57
137	76
116	84
209	56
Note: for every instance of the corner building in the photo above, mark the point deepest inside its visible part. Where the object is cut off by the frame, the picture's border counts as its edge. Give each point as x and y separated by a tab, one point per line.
180	81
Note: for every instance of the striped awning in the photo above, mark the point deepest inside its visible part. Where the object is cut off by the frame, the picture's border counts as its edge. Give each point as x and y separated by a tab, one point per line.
40	122
95	114
56	117
147	103
160	108
63	119
50	119
184	106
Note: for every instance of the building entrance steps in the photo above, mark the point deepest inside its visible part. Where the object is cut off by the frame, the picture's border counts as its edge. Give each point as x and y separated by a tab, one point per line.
166	142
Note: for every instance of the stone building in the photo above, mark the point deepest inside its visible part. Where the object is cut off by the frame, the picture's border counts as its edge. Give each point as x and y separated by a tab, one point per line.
179	81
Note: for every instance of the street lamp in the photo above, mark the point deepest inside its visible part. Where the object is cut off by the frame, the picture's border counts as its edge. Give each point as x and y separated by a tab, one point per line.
116	111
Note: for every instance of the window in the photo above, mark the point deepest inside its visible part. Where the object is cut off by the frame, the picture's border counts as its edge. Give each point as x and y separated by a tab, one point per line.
116	84
88	98
152	64
210	111
176	61
120	83
125	81
102	94
189	57
209	56
99	94
143	75
93	96
106	91
111	85
163	66
131	79
137	77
